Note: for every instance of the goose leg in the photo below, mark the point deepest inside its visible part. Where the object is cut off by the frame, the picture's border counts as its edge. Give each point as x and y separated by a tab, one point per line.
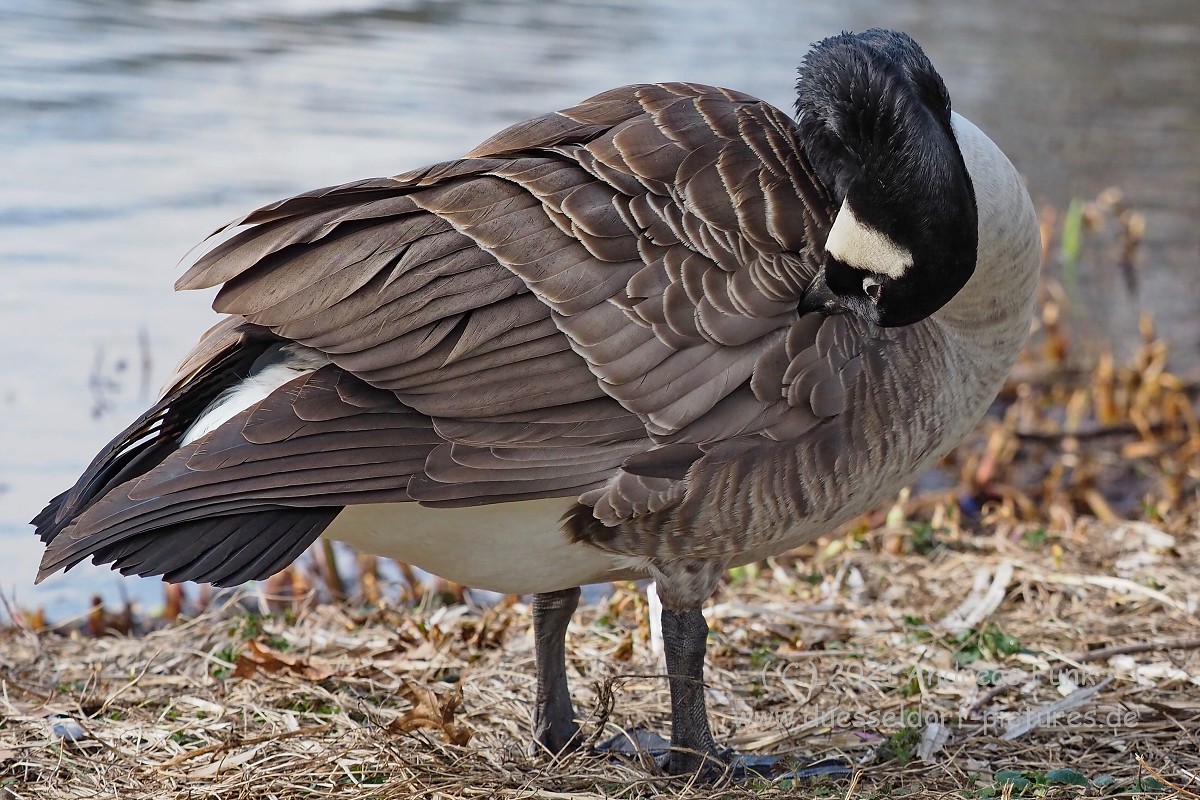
554	717
693	749
685	640
683	585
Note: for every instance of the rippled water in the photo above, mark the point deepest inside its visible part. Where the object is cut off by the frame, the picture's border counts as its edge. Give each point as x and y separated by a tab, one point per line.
130	130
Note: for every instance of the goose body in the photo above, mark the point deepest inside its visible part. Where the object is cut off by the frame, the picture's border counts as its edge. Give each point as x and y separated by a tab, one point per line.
663	332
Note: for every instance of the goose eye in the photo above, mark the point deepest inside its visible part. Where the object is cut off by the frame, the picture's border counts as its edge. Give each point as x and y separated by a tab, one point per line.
872	289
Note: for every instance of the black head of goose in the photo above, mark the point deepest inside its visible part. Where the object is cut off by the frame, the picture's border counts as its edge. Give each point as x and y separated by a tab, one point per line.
663	332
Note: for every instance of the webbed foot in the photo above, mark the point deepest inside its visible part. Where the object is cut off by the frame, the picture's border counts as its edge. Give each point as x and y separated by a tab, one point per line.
648	745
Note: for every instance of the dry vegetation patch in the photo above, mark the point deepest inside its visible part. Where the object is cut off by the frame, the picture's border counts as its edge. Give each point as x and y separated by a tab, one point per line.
945	668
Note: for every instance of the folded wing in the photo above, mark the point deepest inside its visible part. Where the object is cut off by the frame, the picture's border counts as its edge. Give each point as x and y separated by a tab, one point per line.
587	305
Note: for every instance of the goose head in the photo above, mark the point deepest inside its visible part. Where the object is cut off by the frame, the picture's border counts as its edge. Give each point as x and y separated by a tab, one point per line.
875	122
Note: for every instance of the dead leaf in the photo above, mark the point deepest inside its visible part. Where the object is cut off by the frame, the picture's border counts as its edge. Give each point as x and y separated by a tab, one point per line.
624	649
432	710
488	632
271	661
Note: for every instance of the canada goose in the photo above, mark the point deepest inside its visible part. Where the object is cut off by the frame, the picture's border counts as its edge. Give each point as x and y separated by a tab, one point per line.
663	332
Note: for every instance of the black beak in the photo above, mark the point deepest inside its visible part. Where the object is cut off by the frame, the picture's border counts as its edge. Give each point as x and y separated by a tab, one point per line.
820	298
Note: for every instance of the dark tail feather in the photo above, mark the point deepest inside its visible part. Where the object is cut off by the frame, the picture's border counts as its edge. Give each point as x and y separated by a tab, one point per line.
114	515
154	435
45	518
225	551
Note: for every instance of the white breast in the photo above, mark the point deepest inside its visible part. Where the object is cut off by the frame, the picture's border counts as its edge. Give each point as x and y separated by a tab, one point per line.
513	548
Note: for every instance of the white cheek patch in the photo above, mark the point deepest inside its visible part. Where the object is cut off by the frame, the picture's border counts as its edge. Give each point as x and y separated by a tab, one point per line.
863	247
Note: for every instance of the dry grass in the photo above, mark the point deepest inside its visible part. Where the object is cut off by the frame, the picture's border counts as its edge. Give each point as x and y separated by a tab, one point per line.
854	657
1027	622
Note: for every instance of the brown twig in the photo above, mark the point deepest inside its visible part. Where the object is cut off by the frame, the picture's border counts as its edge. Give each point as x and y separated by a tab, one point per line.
1085	434
1189	643
219	746
1158	776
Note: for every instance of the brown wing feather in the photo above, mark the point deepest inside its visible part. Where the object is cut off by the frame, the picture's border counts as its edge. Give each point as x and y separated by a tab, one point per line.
615	281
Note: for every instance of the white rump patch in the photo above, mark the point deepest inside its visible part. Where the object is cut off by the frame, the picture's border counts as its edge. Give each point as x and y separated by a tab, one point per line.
863	247
293	362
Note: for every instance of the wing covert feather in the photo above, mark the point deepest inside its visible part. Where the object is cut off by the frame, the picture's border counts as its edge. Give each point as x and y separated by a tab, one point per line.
617	279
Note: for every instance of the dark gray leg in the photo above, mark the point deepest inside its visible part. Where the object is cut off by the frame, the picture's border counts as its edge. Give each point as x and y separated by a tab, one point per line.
684	584
685	640
554	717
